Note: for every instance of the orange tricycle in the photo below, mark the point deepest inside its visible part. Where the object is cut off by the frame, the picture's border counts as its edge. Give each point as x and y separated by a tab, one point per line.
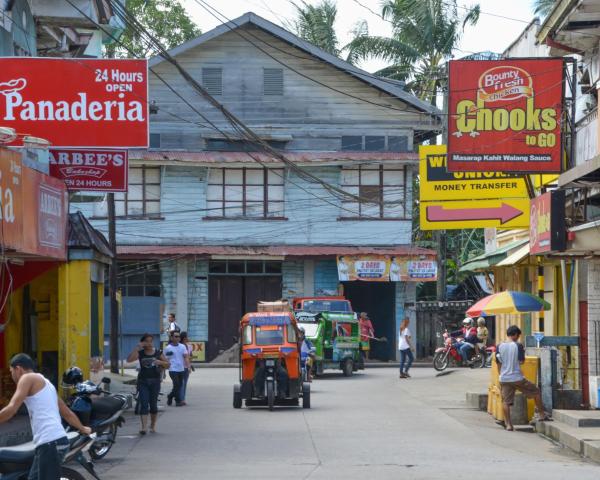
270	372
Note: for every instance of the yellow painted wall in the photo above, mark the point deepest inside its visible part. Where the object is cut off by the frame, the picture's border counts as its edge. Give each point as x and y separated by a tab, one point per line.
74	287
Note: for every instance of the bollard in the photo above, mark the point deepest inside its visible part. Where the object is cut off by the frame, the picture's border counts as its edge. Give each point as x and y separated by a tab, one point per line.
518	412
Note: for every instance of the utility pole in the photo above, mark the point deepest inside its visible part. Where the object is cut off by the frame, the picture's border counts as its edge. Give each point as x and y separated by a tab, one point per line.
440	236
112	286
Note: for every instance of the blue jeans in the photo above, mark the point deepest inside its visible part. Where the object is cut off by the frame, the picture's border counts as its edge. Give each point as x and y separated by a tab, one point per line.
186	377
406	359
464	350
149	388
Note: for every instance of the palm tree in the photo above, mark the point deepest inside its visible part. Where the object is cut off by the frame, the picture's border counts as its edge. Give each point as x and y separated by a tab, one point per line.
424	34
543	7
315	24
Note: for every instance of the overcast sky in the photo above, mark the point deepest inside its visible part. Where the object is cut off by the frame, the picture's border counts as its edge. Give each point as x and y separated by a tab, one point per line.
492	33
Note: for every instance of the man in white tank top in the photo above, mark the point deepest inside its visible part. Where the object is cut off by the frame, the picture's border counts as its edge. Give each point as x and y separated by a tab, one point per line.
45	409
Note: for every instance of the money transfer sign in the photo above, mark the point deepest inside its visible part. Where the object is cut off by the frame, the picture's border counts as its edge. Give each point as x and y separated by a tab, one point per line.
75	102
95	170
437	183
504	115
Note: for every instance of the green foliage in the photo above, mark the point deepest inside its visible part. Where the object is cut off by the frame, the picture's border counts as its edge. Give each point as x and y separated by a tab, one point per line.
543	7
315	24
165	20
424	34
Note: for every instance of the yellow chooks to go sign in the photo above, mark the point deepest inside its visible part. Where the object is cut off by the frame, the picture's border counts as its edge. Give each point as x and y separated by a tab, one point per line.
437	183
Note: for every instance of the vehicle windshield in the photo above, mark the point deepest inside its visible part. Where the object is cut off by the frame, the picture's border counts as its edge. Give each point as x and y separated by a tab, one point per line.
326	306
310	329
269	335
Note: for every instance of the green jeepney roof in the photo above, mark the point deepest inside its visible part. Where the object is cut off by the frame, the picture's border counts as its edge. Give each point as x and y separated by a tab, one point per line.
339	317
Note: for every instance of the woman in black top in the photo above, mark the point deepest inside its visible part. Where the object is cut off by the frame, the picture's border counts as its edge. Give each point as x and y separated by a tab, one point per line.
151	361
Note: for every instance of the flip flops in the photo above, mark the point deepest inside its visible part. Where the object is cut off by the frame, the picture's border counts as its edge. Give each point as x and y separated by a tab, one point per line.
502	423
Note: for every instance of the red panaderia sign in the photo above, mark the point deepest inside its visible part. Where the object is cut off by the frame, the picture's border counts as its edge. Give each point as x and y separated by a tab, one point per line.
75	102
95	170
505	115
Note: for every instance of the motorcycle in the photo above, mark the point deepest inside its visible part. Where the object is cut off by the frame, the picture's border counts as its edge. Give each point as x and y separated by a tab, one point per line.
16	461
449	352
98	409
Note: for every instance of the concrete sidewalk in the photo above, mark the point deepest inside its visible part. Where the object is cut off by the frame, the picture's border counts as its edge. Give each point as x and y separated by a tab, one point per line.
578	430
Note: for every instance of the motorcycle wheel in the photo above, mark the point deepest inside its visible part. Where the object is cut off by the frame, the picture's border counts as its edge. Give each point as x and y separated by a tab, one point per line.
99	450
270	395
441	361
478	361
70	474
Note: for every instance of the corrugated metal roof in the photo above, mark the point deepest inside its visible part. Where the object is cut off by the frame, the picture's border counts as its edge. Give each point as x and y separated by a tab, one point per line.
487	260
277	31
243	157
515	257
83	235
281	250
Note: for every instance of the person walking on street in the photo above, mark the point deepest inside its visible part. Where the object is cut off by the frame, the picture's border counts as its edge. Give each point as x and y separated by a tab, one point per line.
177	355
148	382
405	347
510	355
45	410
189	367
366	333
172	325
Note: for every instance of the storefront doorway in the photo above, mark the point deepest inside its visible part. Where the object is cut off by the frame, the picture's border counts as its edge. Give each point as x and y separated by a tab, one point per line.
234	288
378	299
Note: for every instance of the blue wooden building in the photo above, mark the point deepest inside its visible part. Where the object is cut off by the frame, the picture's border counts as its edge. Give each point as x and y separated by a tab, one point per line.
210	225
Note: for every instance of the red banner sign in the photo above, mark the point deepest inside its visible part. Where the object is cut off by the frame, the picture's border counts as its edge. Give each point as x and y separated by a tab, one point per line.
505	115
95	170
11	208
547	228
75	102
45	214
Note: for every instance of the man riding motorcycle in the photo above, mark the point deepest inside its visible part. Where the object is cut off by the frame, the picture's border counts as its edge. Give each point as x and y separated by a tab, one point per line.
467	339
307	353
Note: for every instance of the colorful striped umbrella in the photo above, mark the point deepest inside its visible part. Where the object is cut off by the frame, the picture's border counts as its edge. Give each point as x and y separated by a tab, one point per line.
507	302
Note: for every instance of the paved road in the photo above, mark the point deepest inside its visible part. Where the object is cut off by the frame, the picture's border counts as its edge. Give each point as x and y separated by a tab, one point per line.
372	426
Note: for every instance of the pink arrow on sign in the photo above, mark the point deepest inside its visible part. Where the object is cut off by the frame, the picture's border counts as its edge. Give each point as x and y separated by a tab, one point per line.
504	213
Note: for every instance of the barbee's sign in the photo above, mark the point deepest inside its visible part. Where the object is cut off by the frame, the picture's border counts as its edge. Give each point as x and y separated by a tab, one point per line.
504	115
75	102
95	170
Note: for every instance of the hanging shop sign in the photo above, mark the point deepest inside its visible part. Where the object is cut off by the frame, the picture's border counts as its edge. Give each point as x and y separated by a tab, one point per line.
372	268
505	115
412	270
386	268
11	204
547	231
45	212
95	170
75	102
437	183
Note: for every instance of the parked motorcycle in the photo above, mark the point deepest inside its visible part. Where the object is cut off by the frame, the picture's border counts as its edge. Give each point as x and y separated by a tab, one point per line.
449	353
96	408
16	461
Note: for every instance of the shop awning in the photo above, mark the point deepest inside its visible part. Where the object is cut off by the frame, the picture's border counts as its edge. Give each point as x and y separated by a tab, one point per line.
515	257
488	260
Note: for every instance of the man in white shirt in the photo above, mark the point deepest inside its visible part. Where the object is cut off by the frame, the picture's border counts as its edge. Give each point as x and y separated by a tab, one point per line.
172	326
45	409
177	355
